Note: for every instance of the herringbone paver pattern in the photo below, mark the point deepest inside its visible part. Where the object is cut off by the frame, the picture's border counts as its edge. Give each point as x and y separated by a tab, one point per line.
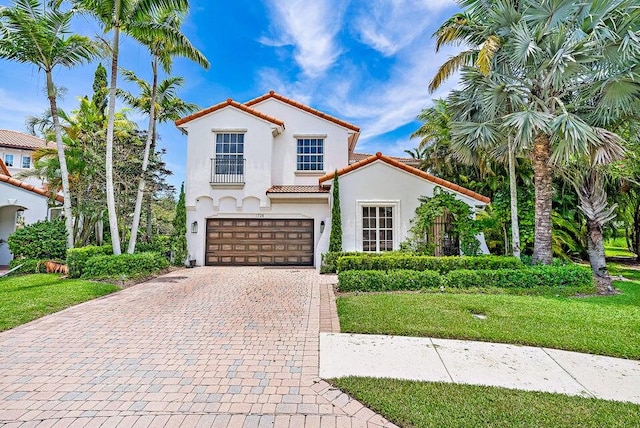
206	347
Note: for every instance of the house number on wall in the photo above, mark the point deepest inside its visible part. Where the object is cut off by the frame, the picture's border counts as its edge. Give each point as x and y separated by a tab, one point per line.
259	215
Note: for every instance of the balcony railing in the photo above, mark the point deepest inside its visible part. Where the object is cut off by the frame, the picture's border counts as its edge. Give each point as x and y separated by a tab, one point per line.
227	170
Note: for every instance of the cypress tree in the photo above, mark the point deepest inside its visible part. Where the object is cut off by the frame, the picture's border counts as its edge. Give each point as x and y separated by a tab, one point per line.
179	238
100	90
335	239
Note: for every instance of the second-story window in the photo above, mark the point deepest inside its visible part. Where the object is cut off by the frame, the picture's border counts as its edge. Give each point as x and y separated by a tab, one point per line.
229	153
310	154
8	159
26	161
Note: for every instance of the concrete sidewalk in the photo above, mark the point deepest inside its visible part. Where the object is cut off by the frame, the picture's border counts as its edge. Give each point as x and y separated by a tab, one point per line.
479	363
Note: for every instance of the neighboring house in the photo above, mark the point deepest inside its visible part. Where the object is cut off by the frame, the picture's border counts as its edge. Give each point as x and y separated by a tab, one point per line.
258	185
20	203
16	151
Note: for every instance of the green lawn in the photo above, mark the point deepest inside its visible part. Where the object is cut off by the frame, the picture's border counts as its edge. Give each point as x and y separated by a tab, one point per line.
420	404
617	248
599	325
25	298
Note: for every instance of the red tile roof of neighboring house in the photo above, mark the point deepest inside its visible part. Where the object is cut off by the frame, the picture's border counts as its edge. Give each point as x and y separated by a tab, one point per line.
3	169
356	157
410	169
273	94
227	103
297	189
20	140
30	187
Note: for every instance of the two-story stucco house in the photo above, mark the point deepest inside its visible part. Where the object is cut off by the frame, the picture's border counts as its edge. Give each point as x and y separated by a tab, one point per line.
16	151
258	185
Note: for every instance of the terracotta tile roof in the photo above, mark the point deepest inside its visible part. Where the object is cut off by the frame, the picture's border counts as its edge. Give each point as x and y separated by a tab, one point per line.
20	140
273	94
30	187
356	157
410	169
297	189
227	103
3	169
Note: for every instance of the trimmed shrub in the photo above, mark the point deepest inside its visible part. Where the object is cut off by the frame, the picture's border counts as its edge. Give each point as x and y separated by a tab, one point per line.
124	266
529	277
442	265
377	280
77	257
28	265
43	240
329	260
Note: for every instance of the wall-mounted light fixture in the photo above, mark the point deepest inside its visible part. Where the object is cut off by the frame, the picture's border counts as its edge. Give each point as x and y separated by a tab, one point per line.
322	226
194	227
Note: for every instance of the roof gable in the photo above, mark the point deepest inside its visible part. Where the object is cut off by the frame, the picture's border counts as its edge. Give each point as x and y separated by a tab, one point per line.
303	107
28	187
229	103
432	178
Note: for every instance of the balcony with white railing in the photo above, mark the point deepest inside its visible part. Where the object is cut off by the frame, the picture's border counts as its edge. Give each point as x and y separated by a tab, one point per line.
228	171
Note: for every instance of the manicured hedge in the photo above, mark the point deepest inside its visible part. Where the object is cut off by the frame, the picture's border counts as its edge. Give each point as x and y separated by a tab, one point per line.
378	280
77	257
329	260
527	277
534	276
28	265
124	266
441	265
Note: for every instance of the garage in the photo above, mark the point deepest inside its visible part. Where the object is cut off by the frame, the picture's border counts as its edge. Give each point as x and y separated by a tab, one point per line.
259	242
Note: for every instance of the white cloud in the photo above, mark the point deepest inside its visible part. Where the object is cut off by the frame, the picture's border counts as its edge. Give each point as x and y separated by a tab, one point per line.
390	25
310	27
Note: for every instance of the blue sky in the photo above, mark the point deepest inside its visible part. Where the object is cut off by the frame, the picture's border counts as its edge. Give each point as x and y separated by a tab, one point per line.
364	61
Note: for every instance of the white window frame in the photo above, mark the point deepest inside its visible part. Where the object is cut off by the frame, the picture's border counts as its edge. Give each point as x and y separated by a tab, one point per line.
237	155
396	216
6	162
22	161
319	153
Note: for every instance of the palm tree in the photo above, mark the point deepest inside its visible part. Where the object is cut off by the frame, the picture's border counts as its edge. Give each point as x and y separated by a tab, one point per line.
162	51
565	68
128	16
36	34
474	28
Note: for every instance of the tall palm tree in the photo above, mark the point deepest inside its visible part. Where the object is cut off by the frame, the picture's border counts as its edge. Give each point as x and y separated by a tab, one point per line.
128	16
162	50
38	34
566	68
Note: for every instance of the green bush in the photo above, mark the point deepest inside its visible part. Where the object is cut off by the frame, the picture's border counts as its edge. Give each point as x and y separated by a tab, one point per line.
77	257
442	265
329	260
124	266
529	277
28	265
44	240
377	280
159	244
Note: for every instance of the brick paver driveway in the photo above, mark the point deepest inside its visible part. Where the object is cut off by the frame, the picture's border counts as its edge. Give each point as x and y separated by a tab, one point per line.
200	347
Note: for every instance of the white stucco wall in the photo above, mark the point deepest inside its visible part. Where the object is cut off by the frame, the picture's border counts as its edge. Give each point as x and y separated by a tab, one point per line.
17	164
13	198
381	184
299	123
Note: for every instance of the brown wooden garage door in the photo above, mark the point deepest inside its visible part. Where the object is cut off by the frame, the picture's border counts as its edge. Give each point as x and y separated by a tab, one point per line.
259	242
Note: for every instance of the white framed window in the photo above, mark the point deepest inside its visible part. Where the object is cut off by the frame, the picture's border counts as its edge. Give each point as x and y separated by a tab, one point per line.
377	225
310	154
26	161
229	157
8	159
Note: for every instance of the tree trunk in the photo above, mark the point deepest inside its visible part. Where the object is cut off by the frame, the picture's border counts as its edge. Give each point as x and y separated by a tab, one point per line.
111	202
149	217
145	160
64	172
542	174
513	192
595	248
